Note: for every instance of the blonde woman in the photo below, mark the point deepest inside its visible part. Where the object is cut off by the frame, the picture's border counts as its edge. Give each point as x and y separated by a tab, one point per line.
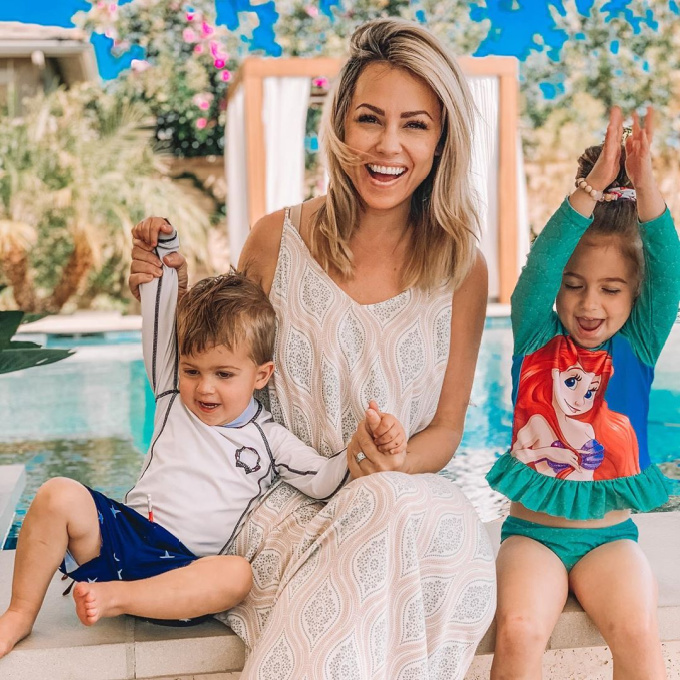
380	294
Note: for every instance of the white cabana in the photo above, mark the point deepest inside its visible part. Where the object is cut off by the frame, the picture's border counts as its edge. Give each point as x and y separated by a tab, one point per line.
266	116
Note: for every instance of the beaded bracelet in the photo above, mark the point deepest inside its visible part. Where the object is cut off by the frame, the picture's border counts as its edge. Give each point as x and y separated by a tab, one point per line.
582	183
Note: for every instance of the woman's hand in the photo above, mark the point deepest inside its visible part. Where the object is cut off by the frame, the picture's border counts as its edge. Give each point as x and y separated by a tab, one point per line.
375	461
145	263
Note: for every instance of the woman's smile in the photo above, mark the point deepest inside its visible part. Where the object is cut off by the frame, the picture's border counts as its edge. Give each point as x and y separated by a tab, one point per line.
394	124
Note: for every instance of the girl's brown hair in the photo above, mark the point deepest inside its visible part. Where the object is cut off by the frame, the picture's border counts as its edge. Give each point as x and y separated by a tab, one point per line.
443	217
616	218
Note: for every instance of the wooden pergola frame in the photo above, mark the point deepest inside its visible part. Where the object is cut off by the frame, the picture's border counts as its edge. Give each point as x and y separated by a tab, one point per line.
254	70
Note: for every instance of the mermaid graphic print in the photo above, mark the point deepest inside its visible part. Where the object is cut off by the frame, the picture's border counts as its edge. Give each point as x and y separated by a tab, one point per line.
563	426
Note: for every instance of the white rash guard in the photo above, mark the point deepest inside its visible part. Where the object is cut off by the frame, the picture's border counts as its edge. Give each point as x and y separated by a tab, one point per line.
204	480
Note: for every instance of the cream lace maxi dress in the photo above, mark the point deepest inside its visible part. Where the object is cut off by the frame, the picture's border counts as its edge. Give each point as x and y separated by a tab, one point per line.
394	577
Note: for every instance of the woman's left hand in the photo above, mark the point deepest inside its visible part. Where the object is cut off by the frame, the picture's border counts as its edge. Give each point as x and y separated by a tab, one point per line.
375	461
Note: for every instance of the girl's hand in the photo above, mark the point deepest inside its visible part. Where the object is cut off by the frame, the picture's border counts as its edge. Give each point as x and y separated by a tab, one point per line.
638	155
145	263
607	166
375	461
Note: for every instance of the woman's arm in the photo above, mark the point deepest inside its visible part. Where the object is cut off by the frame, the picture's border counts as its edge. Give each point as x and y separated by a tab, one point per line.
261	250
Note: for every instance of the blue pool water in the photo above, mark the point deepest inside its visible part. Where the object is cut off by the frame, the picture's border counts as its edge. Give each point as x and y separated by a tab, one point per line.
90	417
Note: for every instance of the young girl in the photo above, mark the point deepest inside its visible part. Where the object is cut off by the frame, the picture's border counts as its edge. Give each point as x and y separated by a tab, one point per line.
610	258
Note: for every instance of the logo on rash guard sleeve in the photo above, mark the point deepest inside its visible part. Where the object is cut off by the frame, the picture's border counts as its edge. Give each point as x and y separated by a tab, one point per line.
248	459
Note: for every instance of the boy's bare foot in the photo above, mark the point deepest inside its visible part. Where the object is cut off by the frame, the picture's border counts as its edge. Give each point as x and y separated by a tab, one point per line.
95	601
14	626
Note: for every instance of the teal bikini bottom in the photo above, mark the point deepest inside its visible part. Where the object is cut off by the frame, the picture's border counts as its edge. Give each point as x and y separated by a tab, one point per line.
570	545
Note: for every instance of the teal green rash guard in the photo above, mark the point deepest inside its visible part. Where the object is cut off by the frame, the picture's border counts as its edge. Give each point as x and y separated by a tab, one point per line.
586	405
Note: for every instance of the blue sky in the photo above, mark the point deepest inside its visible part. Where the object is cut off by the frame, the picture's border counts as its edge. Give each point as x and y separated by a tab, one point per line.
512	31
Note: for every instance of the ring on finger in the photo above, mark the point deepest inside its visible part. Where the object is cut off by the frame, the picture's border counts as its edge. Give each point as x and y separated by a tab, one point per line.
360	456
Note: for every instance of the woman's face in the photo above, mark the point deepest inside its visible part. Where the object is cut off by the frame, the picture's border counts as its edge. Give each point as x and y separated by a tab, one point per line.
394	123
574	389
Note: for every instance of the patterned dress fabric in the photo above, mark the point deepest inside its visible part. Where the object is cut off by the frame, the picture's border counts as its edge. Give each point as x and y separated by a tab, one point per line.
394	578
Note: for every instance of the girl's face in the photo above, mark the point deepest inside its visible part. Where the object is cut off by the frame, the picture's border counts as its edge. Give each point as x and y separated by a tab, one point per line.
394	122
574	389
597	292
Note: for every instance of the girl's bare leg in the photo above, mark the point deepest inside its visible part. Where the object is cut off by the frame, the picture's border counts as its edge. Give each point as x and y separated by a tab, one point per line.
532	590
207	586
62	515
615	585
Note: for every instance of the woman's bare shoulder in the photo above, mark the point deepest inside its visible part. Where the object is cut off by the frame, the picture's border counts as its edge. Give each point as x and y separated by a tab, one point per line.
261	250
309	208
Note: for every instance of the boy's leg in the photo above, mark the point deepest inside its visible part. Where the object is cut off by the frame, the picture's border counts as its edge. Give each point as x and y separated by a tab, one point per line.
615	585
207	586
62	515
532	590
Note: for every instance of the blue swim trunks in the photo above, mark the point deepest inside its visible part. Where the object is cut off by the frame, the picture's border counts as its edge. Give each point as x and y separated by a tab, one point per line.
132	548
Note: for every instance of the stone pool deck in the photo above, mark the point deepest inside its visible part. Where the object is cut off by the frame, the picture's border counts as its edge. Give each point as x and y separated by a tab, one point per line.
60	648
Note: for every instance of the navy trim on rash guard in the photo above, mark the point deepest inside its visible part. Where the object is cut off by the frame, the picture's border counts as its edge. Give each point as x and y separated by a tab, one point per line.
153	444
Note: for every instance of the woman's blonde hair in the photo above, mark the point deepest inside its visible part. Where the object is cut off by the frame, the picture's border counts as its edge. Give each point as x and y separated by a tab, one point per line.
443	218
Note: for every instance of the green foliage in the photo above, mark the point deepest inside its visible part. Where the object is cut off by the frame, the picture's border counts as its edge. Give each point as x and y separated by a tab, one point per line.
627	58
76	173
16	355
185	75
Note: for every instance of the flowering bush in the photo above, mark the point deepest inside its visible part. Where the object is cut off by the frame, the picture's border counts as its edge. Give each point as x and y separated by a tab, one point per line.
186	70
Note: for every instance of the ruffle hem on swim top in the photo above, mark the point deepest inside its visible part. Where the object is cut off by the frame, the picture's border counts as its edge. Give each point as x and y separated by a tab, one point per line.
577	499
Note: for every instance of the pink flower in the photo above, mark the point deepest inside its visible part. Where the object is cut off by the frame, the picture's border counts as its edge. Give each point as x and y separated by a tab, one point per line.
198	49
113	7
203	100
189	36
312	11
190	16
214	48
220	63
101	5
201	123
321	82
226	76
206	29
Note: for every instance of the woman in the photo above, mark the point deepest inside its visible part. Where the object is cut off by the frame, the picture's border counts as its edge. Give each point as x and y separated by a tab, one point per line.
394	577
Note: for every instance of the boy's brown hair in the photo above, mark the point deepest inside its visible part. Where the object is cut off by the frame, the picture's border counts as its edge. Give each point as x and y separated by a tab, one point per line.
616	218
226	310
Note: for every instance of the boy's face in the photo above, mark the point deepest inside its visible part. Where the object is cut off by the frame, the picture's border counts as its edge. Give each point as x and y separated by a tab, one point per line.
216	385
597	291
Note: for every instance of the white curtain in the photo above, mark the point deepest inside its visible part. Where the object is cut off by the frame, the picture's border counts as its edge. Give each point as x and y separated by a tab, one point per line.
484	170
285	104
484	173
237	176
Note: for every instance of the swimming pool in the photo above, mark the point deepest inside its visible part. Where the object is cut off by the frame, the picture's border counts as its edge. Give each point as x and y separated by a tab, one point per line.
90	417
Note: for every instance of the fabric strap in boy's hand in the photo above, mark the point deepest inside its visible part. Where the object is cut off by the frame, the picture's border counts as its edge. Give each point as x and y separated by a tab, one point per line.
159	301
167	243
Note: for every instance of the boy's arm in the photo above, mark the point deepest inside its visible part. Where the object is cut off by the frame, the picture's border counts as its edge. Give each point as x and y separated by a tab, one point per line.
159	341
303	467
533	319
656	307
